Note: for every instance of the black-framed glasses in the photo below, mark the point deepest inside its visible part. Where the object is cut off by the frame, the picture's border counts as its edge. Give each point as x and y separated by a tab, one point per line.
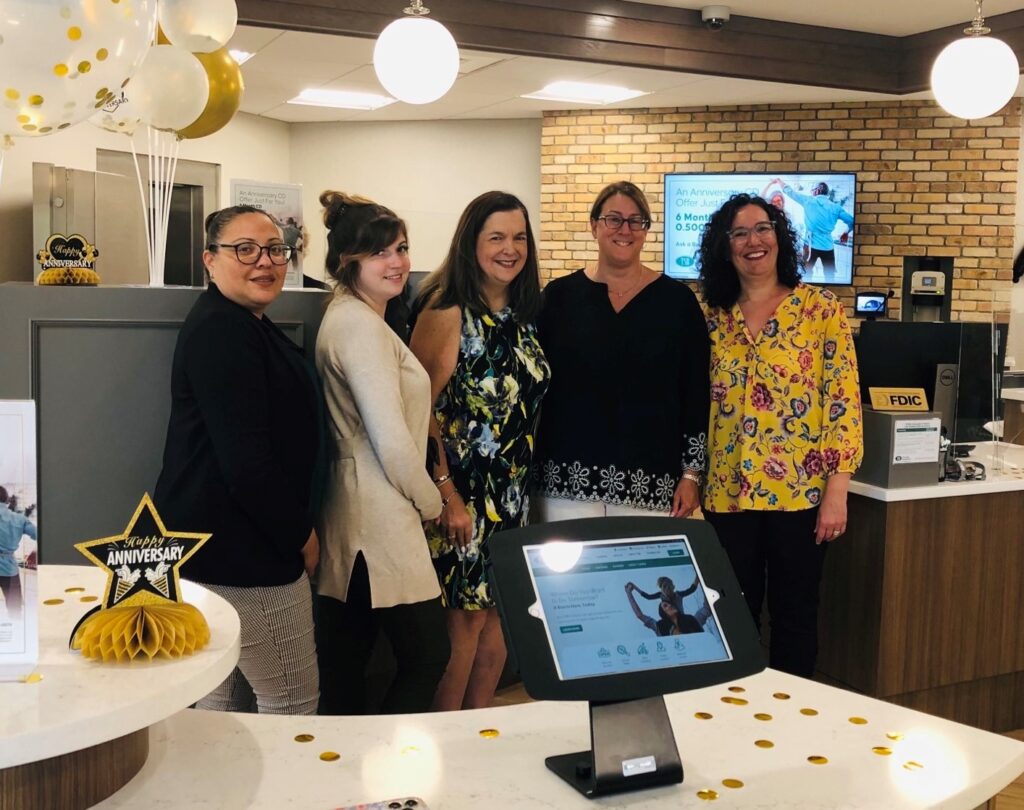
250	252
762	229
614	222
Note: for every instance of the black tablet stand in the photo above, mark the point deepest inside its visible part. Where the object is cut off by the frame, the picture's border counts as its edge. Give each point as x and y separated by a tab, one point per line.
632	747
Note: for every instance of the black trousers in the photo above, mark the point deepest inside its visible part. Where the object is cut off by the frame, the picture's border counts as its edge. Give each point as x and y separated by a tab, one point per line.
775	551
345	636
11	588
828	260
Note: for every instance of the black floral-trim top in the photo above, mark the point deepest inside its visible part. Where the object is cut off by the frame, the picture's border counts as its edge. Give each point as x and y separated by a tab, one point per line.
627	410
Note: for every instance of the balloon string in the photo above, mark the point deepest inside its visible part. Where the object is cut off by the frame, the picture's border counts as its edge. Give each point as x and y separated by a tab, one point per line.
142	198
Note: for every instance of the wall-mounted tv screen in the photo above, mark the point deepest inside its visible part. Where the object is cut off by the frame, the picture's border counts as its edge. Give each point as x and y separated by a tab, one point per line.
820	205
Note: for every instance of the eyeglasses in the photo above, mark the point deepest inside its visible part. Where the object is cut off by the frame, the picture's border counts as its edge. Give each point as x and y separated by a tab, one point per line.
614	222
762	229
250	252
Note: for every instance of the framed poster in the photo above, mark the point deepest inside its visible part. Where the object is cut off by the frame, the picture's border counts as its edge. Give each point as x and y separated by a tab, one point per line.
284	202
19	536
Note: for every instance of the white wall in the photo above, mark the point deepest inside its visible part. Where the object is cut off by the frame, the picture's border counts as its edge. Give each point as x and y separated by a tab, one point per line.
247	148
425	170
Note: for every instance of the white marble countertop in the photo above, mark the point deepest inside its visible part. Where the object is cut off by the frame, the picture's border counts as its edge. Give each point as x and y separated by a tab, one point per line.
227	761
79	703
1010	478
1016	394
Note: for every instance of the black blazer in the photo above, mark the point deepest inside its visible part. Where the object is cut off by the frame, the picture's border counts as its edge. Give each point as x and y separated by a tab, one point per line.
241	446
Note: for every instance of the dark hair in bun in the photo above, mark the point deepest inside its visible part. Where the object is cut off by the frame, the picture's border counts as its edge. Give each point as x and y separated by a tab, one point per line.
356	229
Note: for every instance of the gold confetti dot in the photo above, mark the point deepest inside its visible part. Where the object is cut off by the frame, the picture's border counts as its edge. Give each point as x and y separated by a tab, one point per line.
29	127
65	12
330	756
304	738
102	54
44	130
12	94
53	601
809	712
34	677
75	589
74	33
735	701
83	598
817	759
858	721
734	784
762	716
737	689
780	696
64	126
489	733
913	766
409	749
84	66
764	743
882	750
60	69
707	795
894	735
703	715
24	119
36	100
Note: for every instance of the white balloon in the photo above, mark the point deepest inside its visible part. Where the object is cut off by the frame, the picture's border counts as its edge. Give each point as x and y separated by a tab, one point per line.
416	59
199	26
120	114
170	90
61	60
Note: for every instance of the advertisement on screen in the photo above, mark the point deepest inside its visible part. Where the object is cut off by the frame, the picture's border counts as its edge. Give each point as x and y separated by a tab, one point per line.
820	207
626	606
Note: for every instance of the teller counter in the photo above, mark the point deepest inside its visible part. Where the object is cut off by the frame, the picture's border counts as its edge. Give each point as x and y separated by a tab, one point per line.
921	599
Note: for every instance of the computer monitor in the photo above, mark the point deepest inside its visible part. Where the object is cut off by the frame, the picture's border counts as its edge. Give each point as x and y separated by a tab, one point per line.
871	304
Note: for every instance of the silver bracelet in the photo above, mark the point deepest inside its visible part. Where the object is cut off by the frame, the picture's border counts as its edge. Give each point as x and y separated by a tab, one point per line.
440	481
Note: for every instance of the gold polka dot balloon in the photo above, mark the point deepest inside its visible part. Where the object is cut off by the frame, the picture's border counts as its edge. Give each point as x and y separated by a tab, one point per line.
62	60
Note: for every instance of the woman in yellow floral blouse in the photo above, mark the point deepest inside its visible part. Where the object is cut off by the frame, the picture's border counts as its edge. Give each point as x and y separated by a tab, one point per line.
785	428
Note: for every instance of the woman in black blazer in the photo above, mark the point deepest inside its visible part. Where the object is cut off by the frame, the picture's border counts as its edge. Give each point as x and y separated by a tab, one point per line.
240	462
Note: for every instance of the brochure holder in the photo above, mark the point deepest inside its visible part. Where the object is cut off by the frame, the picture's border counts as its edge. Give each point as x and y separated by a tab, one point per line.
594	561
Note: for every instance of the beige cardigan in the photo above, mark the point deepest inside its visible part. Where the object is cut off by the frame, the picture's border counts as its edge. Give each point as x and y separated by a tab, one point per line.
378	488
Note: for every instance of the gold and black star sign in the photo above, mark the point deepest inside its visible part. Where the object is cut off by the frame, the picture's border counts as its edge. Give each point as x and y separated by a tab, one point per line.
142	563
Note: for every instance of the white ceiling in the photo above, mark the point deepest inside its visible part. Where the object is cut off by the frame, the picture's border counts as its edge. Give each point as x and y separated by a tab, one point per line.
490	85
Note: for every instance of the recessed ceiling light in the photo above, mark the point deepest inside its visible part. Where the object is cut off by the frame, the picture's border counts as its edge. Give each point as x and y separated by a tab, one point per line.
241	56
585	93
342	99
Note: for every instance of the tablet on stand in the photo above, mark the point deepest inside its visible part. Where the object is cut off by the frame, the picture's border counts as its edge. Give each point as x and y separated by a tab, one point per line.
619	612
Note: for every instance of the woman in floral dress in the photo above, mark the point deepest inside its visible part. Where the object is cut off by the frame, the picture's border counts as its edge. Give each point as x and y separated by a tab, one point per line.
475	335
785	430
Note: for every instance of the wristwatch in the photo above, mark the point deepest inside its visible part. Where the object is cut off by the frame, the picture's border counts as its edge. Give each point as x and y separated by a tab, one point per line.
692	475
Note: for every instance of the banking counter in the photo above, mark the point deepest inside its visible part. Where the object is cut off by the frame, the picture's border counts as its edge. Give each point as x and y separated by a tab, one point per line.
769	740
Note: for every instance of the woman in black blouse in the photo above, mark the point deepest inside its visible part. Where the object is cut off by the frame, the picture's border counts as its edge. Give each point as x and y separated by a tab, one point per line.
624	423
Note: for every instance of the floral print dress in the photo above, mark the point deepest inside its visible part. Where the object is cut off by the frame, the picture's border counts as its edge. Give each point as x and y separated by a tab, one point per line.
488	416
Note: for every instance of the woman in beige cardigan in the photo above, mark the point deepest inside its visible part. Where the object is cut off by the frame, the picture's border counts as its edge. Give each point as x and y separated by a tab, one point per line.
375	568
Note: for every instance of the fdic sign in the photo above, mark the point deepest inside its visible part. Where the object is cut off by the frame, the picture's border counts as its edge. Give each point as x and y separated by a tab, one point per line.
898	399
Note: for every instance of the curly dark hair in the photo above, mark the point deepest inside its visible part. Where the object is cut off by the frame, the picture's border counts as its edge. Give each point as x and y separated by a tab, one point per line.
719	282
459	279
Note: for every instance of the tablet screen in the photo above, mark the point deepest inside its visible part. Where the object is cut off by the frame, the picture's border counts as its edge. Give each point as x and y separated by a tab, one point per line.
611	607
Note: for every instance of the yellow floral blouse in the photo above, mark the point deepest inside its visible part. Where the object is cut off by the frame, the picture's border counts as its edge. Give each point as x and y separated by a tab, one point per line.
785	408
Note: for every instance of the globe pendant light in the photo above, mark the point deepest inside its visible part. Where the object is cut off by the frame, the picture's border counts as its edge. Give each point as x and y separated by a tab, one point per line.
416	59
976	75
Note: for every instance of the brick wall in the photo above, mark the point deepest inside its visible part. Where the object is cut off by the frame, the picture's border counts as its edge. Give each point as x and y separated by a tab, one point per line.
928	184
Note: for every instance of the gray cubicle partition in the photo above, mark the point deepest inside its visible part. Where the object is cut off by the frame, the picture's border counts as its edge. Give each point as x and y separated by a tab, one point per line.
97	362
